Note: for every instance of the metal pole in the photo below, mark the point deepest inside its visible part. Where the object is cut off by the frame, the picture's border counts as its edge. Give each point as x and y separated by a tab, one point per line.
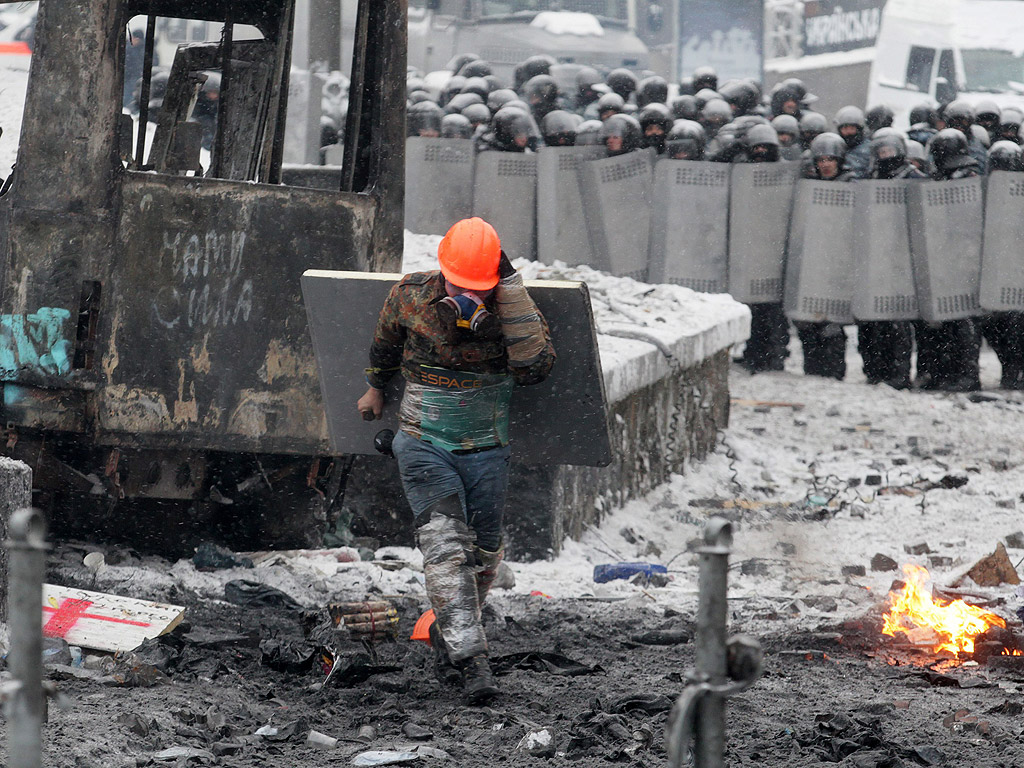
711	651
25	708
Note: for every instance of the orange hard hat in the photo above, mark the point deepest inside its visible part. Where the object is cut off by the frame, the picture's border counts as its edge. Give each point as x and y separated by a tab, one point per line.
469	255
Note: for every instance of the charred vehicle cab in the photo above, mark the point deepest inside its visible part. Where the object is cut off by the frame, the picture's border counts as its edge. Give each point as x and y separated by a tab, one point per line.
155	360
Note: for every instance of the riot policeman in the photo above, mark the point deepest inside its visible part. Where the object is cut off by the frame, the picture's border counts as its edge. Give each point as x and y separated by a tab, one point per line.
655	121
685	141
651	90
478	115
741	95
824	344
715	114
947	352
788	129
621	134
424	119
456	127
541	92
513	130
705	77
767	347
589	88
960	115
852	125
684	108
885	345
988	115
812	124
559	128
588	133
1006	156
622	82
499	98
608	105
879	117
1009	124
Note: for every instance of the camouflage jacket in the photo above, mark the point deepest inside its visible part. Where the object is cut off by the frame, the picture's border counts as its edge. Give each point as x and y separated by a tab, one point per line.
410	335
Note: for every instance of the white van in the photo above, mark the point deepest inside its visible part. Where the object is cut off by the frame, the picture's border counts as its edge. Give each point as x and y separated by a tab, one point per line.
938	50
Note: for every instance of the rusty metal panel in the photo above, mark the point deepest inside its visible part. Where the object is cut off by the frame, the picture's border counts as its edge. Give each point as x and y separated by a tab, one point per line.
563	420
203	336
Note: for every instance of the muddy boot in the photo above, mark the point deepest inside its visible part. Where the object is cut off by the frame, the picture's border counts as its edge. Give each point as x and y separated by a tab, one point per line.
478	681
445	671
487	569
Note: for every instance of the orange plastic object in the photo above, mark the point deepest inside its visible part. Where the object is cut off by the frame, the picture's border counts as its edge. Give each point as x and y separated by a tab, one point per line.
469	254
538	593
422	629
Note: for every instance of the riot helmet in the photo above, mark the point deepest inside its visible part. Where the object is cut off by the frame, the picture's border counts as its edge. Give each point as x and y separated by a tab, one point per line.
686	87
424	119
417	96
514	128
828	151
850	124
715	114
704	95
981	135
622	82
456	126
685	141
499	98
987	114
655	121
1009	124
588	133
917	155
888	153
558	128
705	77
949	148
478	86
924	113
879	116
541	93
414	84
535	65
811	124
762	144
475	68
1006	156
684	108
589	86
788	129
788	98
651	90
494	83
959	114
741	95
477	114
460	101
459	61
451	89
621	134
608	105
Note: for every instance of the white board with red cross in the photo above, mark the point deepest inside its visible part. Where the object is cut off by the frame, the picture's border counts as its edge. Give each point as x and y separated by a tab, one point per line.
104	622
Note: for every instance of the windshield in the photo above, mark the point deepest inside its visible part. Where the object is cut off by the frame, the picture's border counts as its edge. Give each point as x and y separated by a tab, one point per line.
991	71
613	9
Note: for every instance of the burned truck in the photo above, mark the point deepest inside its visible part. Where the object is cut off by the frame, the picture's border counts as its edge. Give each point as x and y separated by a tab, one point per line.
155	361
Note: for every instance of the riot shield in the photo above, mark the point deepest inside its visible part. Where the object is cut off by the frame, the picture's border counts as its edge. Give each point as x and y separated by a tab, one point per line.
689	238
563	420
946	228
1002	258
616	198
438	183
505	195
760	202
883	276
820	258
561	228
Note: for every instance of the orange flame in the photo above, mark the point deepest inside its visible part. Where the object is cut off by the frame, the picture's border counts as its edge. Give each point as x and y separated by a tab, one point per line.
948	627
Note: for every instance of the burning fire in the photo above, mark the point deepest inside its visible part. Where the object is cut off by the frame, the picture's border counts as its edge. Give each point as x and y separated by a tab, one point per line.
948	627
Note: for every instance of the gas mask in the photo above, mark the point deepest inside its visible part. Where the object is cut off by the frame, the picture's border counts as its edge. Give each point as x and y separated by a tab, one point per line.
466	311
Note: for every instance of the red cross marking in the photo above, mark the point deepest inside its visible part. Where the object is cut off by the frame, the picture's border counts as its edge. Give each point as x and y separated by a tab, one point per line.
70	611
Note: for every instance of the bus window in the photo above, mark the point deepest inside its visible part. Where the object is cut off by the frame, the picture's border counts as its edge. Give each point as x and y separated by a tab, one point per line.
919	68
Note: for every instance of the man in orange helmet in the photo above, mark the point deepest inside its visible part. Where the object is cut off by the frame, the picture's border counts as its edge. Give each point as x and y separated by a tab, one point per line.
462	337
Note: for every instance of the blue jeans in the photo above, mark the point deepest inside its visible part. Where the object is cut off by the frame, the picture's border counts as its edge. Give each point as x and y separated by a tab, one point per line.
480	480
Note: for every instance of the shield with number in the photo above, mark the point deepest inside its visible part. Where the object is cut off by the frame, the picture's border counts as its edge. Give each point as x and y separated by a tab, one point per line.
883	275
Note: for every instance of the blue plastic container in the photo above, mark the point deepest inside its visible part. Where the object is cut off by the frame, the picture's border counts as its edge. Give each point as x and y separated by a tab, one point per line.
612	571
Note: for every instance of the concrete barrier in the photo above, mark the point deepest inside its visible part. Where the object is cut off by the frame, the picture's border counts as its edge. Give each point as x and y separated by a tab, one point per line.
15	493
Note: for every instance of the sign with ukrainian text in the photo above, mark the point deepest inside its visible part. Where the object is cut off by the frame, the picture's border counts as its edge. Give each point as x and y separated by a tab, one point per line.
841	25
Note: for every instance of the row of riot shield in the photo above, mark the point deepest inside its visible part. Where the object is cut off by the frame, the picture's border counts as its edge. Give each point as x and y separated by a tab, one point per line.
571	204
831	252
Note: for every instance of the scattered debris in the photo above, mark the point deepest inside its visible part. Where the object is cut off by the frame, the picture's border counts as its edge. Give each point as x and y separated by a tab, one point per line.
383	757
663	637
174	754
1015	540
370	620
853	570
209	556
104	622
417	732
921	548
252	594
995	569
539	661
320	740
538	743
612	571
882	562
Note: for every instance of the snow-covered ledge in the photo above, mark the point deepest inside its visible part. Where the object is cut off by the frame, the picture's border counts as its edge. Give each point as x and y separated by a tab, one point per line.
665	358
